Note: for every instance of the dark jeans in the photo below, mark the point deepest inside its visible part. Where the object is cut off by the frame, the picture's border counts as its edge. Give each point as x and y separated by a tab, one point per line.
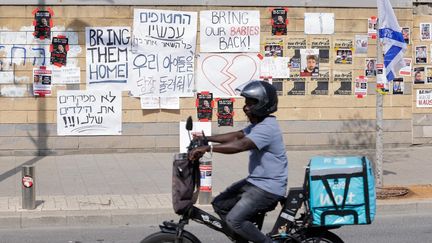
239	203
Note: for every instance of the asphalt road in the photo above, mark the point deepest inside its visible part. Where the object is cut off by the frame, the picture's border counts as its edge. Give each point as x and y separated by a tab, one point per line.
389	228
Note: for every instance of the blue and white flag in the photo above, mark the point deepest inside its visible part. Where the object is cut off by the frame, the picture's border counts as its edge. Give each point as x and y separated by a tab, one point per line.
390	35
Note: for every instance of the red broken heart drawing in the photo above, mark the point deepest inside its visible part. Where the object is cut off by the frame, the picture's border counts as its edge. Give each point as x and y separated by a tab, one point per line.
229	71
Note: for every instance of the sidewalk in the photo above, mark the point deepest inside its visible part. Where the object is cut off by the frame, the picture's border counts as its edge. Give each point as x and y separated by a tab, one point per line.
135	188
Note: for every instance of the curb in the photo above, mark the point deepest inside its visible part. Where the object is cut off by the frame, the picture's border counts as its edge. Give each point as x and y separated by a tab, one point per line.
153	217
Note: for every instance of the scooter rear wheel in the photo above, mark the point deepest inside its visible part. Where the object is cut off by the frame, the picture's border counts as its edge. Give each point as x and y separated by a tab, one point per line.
321	237
165	237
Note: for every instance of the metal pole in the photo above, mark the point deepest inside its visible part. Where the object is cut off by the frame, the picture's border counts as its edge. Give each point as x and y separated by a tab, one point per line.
28	187
379	122
205	195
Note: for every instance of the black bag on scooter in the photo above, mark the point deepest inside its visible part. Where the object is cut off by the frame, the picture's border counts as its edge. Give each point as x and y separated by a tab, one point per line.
185	183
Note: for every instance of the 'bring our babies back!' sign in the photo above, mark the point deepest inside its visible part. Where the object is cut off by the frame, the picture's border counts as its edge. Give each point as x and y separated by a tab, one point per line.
230	31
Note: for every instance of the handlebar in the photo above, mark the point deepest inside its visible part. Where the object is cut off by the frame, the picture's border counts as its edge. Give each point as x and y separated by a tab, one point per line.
195	143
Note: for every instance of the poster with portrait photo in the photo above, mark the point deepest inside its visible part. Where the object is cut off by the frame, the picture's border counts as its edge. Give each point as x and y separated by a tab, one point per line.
42	81
361	86
372	27
370	67
361	44
59	49
296	86
421	54
419	75
428	74
204	104
279	21
309	65
406	33
225	112
398	86
406	71
425	31
343	56
274	47
42	23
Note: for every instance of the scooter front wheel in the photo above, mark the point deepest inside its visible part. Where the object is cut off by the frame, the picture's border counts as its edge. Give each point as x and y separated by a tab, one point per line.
166	237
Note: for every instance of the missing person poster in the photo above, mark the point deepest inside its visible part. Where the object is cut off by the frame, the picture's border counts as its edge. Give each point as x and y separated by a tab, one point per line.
425	31
344	50
406	71
360	89
323	44
372	27
419	75
428	74
421	54
225	112
274	47
279	21
370	67
398	86
296	86
59	49
322	82
42	82
204	104
42	23
344	78
309	62
406	33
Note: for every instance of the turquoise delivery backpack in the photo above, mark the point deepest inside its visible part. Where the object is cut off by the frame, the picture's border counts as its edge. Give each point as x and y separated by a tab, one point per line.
341	191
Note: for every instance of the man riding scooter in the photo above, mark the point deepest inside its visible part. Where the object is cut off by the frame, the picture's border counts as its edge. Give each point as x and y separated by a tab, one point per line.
266	183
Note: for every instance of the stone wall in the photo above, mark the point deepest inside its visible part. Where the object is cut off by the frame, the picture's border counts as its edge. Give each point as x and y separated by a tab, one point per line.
28	124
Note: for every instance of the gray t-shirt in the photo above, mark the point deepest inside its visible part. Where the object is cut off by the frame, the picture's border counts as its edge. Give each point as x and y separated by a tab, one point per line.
268	164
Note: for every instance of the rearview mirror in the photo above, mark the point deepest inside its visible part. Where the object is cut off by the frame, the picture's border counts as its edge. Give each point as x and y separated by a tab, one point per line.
189	124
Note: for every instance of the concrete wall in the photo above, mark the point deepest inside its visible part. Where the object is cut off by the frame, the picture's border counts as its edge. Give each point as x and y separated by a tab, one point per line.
27	124
421	119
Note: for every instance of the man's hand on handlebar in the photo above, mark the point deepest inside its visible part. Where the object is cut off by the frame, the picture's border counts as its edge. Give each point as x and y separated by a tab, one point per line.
198	152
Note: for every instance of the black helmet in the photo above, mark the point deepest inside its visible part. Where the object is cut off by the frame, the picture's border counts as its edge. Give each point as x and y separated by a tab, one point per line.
265	94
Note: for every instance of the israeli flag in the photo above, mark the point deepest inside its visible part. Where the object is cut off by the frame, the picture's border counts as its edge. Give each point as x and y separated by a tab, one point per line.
390	35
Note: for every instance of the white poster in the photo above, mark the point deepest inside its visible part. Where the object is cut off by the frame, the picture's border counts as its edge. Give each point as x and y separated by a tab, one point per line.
66	75
107	50
424	98
149	102
319	23
361	44
152	102
91	112
360	89
42	78
198	127
6	77
170	103
275	67
221	74
163	44
230	31
406	71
